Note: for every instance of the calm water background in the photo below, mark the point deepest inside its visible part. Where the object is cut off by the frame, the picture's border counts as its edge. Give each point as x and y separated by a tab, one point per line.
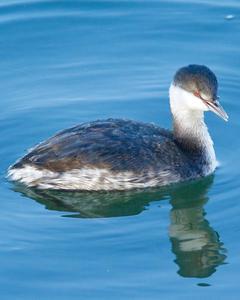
65	62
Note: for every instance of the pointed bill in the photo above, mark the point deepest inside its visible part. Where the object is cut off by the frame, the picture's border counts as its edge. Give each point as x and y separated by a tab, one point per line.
217	109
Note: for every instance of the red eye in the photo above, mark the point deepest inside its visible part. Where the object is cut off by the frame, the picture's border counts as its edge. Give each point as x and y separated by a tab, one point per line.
197	94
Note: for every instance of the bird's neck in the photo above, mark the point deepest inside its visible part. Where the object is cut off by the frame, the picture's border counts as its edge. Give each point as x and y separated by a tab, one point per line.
189	127
191	133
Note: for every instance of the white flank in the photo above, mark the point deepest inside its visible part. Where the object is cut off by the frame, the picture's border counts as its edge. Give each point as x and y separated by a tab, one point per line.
89	179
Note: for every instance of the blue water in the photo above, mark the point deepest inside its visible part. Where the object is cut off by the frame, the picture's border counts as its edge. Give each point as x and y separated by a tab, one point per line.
66	62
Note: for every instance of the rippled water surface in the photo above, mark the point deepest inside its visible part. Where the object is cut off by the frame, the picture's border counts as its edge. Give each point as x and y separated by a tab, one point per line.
65	62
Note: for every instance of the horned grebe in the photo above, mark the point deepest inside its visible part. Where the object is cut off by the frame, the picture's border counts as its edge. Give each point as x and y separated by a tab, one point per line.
116	154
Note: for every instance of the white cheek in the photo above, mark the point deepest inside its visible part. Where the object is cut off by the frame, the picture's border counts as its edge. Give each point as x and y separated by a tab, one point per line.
194	102
181	99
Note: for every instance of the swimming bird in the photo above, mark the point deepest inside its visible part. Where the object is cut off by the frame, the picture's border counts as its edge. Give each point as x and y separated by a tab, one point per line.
119	154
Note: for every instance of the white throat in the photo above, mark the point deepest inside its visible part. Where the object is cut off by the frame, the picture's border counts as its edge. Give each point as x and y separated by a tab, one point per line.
189	125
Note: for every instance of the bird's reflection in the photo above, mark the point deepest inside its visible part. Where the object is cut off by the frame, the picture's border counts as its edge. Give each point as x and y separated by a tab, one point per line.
195	243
